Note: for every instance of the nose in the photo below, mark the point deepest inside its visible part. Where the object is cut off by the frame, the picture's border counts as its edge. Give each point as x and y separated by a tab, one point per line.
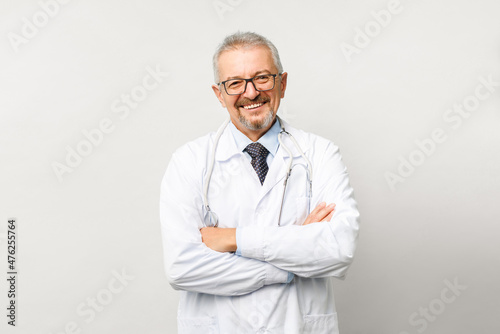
251	93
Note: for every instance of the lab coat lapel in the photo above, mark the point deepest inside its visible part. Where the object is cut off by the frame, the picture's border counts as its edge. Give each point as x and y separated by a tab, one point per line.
276	172
279	166
278	169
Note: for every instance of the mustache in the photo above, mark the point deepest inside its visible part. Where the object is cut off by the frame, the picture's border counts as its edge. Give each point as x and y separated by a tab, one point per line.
258	99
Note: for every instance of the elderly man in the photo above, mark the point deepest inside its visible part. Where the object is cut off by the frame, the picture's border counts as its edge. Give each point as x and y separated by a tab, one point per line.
240	239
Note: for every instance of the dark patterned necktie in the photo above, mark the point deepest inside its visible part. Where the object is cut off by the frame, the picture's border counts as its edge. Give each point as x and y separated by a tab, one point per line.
259	154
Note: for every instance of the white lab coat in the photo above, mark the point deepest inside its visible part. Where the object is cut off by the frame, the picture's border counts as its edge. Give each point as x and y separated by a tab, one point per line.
227	293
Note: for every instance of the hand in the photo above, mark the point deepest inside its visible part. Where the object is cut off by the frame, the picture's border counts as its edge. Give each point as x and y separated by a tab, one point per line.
219	239
321	213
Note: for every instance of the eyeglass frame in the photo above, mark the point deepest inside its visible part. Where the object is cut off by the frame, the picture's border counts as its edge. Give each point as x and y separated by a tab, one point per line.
223	83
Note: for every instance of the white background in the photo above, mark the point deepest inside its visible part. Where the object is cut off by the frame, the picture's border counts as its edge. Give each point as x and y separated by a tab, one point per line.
441	224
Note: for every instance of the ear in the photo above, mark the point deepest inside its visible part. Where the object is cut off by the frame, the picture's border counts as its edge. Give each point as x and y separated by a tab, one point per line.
218	93
284	77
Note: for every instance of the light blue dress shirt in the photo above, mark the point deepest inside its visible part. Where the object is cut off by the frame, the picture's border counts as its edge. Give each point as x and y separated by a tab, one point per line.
269	140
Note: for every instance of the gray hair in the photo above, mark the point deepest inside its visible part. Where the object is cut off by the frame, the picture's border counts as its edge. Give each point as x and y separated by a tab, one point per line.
244	40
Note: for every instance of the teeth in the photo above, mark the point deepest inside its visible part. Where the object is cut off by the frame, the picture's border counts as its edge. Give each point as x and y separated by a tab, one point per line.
253	106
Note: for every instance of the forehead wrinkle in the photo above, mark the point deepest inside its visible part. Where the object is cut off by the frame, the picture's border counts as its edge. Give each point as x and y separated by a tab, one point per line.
252	64
252	75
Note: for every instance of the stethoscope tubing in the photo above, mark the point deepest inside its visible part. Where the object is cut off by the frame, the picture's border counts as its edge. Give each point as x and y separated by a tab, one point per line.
212	216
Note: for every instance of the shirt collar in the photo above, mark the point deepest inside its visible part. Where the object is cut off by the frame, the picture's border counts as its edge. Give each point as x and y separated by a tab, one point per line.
269	140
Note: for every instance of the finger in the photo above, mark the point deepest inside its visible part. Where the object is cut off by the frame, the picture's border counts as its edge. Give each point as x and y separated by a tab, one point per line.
329	217
308	220
320	213
326	211
312	217
318	208
317	212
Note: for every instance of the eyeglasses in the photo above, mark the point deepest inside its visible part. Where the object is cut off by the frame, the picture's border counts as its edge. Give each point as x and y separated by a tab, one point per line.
261	83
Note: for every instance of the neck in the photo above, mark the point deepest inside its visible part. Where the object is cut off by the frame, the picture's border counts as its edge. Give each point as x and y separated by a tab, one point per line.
253	135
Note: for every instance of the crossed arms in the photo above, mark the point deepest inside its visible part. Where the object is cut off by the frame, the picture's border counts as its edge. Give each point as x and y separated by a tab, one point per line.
224	239
202	259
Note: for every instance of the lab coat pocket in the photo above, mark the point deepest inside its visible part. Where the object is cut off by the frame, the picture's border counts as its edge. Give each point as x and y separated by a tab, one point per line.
321	324
302	207
201	325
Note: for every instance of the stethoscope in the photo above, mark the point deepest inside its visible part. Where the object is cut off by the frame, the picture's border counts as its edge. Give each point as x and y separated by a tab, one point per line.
212	218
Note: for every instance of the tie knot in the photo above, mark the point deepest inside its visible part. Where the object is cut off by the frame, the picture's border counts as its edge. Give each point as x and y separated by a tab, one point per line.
257	150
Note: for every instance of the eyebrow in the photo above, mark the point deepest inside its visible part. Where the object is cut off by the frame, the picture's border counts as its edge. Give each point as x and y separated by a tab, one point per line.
254	75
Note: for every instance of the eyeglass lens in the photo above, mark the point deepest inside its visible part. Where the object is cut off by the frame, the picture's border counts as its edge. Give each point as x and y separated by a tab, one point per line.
261	83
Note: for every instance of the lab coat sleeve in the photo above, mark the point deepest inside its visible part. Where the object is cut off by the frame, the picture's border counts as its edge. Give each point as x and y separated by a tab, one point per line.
319	249
190	265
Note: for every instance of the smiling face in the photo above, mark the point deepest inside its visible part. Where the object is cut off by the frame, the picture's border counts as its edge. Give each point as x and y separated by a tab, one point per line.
252	112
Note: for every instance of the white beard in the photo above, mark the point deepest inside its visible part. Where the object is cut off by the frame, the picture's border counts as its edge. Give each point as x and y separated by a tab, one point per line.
257	126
